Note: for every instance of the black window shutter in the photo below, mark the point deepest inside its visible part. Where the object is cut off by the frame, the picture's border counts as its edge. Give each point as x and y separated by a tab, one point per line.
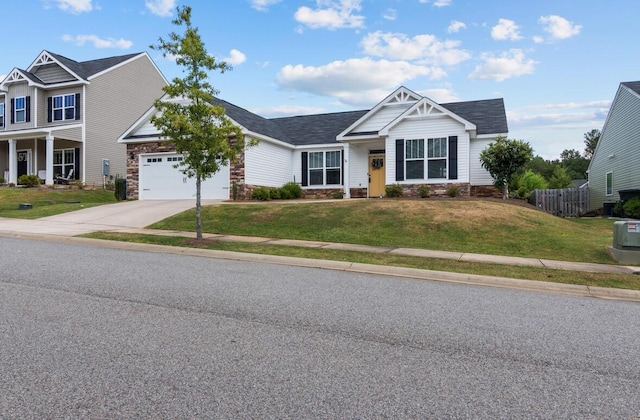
76	164
13	110
342	166
453	157
28	108
77	106
49	109
400	160
305	169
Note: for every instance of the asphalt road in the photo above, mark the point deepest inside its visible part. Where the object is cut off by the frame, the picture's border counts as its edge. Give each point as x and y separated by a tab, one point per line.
104	333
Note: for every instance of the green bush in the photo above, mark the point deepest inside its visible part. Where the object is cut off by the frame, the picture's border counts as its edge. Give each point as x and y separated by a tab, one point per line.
560	178
453	191
120	188
2	181
424	190
393	190
291	190
338	195
29	180
261	194
529	182
632	208
617	209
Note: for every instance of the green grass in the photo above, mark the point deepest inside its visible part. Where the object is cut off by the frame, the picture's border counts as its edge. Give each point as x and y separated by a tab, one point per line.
473	226
622	281
49	201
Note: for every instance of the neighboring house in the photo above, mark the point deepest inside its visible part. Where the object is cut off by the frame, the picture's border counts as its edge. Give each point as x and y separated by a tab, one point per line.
615	164
406	139
60	115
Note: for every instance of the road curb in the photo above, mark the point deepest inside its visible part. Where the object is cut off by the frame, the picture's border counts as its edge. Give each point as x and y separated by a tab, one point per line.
413	273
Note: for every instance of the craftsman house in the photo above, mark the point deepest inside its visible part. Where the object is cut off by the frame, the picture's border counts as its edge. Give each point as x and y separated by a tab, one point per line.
60	117
615	165
406	139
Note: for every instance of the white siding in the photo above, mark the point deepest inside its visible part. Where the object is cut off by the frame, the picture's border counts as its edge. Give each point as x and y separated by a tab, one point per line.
477	174
383	117
424	129
359	163
618	150
268	165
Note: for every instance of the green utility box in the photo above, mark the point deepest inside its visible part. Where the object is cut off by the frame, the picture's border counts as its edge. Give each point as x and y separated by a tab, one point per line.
626	242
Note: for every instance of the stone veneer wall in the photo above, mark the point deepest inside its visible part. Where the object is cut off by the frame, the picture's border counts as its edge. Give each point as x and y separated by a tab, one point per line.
486	191
412	190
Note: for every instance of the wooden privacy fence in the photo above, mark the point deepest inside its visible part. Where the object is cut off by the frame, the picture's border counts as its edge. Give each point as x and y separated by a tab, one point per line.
566	202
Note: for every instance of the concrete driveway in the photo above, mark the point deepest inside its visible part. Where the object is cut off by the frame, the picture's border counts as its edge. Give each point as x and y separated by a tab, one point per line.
126	214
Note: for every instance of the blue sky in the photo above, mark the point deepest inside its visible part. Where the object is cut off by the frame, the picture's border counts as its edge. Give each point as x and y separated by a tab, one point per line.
556	63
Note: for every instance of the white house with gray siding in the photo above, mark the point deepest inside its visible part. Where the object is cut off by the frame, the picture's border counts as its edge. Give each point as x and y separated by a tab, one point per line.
59	116
615	164
406	139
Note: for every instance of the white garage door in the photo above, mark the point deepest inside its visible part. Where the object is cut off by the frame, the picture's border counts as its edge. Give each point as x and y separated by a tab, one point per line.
159	180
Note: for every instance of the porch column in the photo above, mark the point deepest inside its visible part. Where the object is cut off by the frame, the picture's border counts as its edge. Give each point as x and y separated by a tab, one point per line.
13	162
345	162
49	160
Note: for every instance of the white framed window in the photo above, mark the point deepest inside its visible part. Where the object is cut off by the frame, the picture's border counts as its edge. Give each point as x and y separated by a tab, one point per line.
64	107
20	109
63	161
437	157
1	114
609	183
325	168
414	158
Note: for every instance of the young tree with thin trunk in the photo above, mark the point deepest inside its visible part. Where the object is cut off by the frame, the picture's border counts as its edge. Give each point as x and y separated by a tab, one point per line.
503	159
188	117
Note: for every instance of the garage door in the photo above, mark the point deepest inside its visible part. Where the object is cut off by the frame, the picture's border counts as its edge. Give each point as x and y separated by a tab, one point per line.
159	180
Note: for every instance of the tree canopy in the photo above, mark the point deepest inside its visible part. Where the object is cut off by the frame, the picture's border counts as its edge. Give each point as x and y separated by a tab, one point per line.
591	139
504	159
188	116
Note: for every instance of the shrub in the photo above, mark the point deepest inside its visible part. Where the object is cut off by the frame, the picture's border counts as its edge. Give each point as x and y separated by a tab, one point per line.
291	190
424	190
393	190
453	191
29	180
338	195
2	180
120	188
529	182
274	193
632	208
617	209
262	194
560	178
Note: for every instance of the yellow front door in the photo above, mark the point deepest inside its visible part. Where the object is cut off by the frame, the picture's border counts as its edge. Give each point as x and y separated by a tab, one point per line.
376	175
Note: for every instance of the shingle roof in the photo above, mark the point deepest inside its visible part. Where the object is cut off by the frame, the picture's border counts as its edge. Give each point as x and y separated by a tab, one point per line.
634	86
86	69
488	115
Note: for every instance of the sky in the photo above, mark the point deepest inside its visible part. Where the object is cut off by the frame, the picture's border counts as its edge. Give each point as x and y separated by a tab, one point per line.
556	63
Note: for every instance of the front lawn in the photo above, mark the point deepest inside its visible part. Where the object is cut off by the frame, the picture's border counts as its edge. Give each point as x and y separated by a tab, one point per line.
49	201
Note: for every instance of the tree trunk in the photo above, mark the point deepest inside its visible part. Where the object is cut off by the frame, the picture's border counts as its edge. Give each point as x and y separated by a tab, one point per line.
198	207
505	191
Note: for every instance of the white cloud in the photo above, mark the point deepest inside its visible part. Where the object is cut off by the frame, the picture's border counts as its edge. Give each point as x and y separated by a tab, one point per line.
390	14
420	47
235	58
263	5
559	27
162	8
456	26
355	81
441	95
75	6
509	64
331	15
506	30
538	39
438	3
97	42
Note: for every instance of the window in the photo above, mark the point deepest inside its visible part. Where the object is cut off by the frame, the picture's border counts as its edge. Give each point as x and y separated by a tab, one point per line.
1	115
64	107
20	110
609	183
63	161
414	158
325	168
437	157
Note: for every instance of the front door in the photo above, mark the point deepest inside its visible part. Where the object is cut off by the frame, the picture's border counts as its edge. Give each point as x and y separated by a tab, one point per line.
23	162
377	175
